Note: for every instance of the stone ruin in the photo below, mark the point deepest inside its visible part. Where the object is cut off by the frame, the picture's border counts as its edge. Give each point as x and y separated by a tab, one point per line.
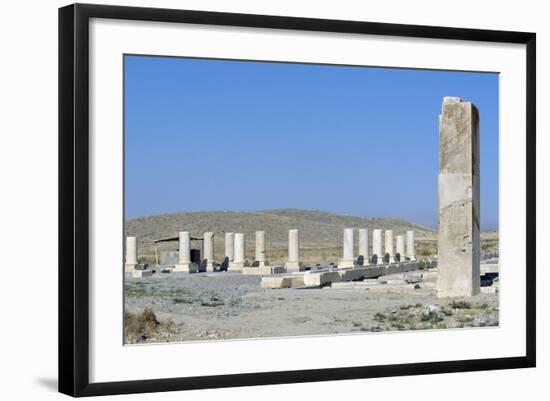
458	219
458	230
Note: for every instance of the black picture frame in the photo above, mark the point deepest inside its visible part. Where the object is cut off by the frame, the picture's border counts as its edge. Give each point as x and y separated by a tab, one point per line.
74	198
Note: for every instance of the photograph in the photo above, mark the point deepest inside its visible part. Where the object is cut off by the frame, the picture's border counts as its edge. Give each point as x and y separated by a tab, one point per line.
268	199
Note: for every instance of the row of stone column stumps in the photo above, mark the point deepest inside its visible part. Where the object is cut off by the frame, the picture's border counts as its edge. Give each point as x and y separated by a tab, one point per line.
377	257
235	250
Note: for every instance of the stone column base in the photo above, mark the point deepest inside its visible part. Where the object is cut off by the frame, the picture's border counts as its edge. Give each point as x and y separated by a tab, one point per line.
185	268
236	266
294	267
346	263
130	267
210	267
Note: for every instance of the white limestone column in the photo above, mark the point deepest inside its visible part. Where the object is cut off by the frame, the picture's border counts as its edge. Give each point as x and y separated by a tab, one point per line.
260	248
230	246
184	258
364	245
238	261
458	239
388	248
377	246
184	247
293	263
400	247
347	254
410	245
208	249
131	254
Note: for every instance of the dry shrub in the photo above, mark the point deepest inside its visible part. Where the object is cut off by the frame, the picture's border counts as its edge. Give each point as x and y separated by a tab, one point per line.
140	326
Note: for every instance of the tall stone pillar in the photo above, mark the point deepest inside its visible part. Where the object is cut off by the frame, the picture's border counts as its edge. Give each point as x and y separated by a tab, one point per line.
238	261
364	244
400	247
184	258
293	263
230	246
347	254
377	246
411	253
458	238
131	254
260	248
388	247
208	249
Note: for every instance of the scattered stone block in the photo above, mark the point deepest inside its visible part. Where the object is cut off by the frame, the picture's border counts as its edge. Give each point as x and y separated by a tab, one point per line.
320	279
186	268
293	281
489	268
264	271
142	273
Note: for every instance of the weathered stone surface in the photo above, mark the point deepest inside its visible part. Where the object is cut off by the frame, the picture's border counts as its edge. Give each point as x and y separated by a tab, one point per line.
142	273
400	247
260	248
319	279
377	245
388	248
184	255
401	267
291	281
184	247
168	258
458	238
186	268
293	263
363	243
489	268
347	254
230	246
264	270
410	251
131	254
238	262
208	248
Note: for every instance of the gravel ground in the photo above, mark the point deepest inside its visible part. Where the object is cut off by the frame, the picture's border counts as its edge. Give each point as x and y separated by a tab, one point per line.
216	306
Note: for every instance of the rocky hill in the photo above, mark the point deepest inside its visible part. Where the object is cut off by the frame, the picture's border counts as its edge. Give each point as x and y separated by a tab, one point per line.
318	229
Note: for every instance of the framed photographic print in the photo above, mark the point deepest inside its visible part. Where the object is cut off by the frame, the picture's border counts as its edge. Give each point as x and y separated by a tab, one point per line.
251	199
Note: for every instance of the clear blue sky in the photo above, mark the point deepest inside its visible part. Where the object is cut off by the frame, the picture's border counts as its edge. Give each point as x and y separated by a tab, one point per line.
239	135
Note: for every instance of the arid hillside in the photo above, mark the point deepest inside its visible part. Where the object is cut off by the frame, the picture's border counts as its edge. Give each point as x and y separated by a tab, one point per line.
320	232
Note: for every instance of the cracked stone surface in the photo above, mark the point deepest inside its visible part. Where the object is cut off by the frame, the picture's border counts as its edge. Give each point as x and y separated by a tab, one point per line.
458	239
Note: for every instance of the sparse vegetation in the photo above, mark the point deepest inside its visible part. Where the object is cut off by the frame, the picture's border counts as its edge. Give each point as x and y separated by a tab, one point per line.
379	317
144	326
202	296
461	305
432	317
